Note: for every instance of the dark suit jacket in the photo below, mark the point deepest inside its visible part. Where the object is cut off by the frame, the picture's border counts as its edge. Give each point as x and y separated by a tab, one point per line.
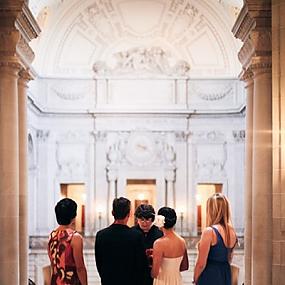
120	256
149	238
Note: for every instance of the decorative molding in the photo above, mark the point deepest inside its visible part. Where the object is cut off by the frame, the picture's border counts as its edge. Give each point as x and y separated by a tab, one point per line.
261	65
212	91
25	52
42	135
72	91
11	64
27	24
139	60
253	27
239	136
207	137
243	25
247	76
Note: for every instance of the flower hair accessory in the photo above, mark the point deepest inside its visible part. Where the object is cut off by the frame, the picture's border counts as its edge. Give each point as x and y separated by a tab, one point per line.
159	221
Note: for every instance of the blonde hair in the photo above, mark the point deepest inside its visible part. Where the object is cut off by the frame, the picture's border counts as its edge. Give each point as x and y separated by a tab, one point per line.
218	212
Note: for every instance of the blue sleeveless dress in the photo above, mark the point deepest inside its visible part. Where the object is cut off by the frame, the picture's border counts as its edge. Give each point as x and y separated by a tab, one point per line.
217	270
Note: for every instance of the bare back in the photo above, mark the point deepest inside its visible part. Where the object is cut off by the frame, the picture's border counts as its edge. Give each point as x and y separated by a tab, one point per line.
233	238
170	246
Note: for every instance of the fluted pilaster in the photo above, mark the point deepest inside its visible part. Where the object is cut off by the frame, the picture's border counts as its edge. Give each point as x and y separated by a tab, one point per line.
9	173
253	27
24	78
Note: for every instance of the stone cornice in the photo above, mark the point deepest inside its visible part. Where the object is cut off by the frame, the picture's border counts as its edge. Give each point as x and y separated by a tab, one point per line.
25	52
243	25
253	27
246	75
261	64
17	28
27	24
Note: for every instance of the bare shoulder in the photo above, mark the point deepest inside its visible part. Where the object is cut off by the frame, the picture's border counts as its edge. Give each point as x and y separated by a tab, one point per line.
159	242
77	238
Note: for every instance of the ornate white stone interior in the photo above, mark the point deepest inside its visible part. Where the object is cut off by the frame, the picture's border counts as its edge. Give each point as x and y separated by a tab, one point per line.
142	89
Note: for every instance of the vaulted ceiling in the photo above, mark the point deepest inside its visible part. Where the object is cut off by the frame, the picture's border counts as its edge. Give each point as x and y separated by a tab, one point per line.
78	33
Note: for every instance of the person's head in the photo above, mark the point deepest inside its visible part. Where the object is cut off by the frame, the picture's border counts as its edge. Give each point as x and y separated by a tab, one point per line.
145	215
65	211
218	210
170	217
121	208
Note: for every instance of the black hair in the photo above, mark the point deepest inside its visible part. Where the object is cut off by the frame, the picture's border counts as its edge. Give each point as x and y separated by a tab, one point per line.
170	216
65	211
145	211
121	208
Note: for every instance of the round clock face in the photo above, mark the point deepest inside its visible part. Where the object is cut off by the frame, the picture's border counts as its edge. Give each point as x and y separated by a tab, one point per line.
140	149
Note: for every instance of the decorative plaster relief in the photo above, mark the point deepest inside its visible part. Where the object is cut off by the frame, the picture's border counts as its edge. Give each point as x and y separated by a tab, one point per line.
71	155
42	135
71	90
141	149
210	161
152	60
211	90
110	26
25	52
239	136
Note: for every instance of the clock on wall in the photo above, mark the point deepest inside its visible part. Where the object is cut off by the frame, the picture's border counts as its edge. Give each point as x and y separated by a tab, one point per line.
140	149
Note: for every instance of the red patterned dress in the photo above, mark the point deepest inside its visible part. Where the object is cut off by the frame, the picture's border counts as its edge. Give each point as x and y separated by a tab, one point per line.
61	257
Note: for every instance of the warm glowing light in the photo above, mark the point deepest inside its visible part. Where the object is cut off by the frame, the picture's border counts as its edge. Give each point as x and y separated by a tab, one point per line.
180	210
100	210
141	196
83	197
198	199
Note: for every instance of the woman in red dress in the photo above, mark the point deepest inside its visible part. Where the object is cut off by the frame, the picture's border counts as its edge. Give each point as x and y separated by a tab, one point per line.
65	247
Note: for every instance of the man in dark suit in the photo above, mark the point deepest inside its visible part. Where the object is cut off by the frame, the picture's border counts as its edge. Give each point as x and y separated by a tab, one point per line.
145	215
119	250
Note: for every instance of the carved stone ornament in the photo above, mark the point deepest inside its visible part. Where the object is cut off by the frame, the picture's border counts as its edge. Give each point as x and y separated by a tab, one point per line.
25	52
239	136
71	91
213	91
140	149
139	60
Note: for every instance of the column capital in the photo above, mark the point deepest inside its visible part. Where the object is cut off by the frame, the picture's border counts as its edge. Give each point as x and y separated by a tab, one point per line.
17	28
247	76
24	77
253	27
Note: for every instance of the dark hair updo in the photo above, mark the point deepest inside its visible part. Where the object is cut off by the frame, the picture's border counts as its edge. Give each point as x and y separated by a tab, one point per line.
65	211
170	216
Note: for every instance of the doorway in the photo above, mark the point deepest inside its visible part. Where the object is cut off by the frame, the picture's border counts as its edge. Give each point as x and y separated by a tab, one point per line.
140	191
77	193
204	191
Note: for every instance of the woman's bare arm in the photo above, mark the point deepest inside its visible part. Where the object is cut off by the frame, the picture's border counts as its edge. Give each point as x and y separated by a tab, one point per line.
77	246
184	263
157	258
203	251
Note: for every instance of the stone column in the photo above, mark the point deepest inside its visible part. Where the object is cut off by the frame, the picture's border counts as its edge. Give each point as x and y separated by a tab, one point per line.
253	27
170	199
23	176
112	193
247	77
262	175
9	173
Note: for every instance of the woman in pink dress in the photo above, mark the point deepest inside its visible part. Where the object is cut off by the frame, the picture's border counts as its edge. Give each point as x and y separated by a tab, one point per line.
65	247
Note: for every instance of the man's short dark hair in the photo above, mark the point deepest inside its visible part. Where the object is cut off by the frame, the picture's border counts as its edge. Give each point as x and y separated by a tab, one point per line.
145	211
121	208
65	211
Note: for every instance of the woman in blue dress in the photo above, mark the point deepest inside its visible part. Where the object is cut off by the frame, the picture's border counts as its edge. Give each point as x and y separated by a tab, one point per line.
215	248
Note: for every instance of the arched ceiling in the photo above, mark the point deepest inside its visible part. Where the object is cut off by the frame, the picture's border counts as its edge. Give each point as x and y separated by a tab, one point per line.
78	33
